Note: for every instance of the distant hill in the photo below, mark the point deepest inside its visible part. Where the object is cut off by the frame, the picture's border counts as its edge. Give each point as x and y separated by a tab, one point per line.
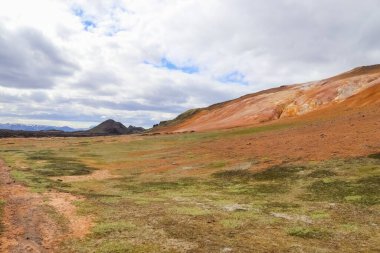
24	127
108	127
112	127
355	88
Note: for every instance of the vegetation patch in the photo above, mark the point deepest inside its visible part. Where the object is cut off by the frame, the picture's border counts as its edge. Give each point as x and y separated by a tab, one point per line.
234	174
57	217
190	210
271	188
155	186
364	191
322	174
109	246
308	232
111	228
58	166
319	215
231	223
271	174
375	156
216	165
2	203
279	173
36	182
281	205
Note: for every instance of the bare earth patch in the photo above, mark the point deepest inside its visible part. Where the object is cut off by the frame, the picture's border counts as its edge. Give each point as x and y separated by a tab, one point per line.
27	224
96	175
63	203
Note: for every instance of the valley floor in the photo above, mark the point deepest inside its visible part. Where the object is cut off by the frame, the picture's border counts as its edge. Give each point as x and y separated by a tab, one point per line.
307	185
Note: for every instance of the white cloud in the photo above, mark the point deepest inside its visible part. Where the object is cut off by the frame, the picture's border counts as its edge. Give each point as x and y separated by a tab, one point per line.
86	60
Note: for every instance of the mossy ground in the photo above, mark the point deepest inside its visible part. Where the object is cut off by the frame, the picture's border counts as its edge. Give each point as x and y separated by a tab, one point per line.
172	197
2	203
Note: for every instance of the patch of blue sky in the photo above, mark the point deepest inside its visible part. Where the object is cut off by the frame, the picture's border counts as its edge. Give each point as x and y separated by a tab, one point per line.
77	11
167	64
88	24
234	77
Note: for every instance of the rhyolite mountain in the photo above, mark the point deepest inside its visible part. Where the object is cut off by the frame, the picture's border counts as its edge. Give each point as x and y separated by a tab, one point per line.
112	127
358	87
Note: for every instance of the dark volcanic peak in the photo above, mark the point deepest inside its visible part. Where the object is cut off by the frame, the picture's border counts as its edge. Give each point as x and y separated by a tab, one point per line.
112	127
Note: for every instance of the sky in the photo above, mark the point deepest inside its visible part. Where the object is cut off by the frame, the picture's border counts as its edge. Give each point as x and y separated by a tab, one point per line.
77	63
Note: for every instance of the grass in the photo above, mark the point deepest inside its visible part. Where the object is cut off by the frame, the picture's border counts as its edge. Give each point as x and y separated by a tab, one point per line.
270	174
57	217
322	174
193	211
374	156
105	228
232	223
364	190
58	166
308	232
156	206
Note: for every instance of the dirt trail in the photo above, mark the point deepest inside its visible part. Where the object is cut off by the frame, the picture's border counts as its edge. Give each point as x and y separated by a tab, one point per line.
28	226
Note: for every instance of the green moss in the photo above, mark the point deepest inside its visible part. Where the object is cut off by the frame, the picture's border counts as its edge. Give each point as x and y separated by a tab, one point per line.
375	156
110	246
215	165
36	182
278	173
234	174
111	228
56	165
318	215
231	223
155	186
193	211
363	191
281	206
322	174
308	232
2	203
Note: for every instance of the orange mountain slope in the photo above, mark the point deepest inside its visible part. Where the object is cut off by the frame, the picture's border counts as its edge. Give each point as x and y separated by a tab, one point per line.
358	87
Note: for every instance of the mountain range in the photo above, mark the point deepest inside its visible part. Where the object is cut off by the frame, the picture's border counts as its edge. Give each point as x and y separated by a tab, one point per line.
24	127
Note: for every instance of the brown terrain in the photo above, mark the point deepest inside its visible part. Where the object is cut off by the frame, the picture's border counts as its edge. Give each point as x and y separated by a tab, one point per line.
28	225
281	103
337	117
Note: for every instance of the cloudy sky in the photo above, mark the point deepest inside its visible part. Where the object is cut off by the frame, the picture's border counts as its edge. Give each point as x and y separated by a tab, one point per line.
77	63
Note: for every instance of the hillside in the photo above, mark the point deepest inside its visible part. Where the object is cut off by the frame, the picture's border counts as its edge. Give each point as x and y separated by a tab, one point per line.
291	101
112	127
